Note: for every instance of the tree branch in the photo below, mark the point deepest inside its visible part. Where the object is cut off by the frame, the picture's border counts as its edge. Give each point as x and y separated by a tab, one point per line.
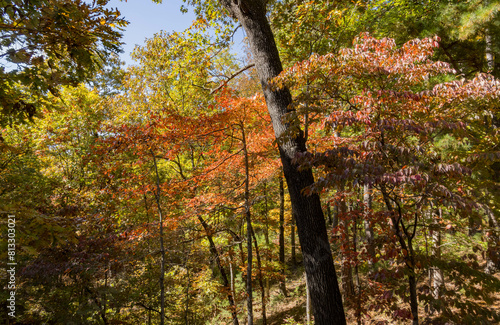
232	77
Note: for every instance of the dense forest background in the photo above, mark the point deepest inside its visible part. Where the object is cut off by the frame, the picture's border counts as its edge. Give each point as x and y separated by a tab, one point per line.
180	190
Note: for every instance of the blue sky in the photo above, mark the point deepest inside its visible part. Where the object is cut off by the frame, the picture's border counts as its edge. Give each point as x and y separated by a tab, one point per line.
147	18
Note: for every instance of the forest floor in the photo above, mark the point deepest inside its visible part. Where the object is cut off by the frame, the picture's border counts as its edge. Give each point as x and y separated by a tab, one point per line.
291	310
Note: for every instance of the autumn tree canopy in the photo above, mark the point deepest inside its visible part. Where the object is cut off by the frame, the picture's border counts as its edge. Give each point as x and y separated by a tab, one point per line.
49	43
345	171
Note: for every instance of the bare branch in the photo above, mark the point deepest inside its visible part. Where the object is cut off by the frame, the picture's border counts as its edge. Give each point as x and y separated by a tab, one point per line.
232	77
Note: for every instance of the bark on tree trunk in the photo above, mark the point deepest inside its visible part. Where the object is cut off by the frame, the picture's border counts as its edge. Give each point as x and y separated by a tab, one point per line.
308	303
293	256
367	198
261	279
249	230
318	260
358	311
355	250
216	255
413	296
490	56
231	274
242	252
437	280
282	237
266	215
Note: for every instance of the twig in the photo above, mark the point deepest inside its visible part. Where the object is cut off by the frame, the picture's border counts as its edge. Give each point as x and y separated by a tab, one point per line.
232	77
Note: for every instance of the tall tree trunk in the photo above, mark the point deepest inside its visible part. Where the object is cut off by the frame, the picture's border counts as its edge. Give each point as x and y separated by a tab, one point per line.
268	244
403	235
490	56
346	274
186	309
249	229
410	263
162	248
346	269
358	311
104	299
231	274
437	280
266	216
149	245
370	248
318	260
293	255
355	250
308	302
282	236
413	296
216	255
261	279
242	252
242	258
